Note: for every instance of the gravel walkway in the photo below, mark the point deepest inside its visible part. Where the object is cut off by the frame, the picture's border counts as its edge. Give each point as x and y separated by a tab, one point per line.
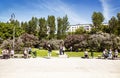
59	68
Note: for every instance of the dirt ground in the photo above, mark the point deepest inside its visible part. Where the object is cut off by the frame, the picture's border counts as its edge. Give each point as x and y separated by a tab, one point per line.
59	68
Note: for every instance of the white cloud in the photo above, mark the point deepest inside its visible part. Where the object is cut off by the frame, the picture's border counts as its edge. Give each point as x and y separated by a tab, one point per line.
110	8
115	9
43	8
106	9
59	8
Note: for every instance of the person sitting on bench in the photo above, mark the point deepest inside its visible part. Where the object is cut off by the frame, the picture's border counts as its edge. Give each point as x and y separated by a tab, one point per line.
86	54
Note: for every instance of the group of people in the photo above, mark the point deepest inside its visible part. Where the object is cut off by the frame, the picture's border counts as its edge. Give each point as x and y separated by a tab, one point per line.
6	53
106	54
110	54
61	50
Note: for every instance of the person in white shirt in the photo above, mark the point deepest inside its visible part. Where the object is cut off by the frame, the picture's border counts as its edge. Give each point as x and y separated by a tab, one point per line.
110	53
63	49
25	54
116	53
12	53
105	53
86	54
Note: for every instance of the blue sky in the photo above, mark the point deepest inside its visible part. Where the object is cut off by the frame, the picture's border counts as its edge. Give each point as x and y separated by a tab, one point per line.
78	11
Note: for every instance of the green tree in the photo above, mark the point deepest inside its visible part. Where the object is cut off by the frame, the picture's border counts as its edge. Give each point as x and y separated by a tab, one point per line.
24	26
51	26
32	25
113	25
42	28
93	30
66	25
7	29
63	26
59	28
18	31
118	26
15	23
105	28
80	30
97	19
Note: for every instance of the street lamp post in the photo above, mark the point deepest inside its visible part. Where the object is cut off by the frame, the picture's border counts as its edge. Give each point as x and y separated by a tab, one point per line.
12	19
13	38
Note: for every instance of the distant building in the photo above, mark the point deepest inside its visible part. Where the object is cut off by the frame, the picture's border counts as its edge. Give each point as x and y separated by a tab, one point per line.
105	23
87	27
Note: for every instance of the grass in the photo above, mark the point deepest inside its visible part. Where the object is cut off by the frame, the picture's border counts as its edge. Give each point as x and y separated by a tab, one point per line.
55	53
43	53
81	54
0	51
75	54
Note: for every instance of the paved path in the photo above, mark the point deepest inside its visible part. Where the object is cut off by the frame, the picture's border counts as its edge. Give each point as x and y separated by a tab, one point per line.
59	68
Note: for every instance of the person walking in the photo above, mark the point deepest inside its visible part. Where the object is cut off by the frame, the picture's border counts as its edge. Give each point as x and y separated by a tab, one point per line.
49	50
71	48
61	49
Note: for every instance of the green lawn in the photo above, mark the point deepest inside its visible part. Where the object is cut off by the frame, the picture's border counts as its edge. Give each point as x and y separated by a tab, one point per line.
43	53
81	54
55	53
